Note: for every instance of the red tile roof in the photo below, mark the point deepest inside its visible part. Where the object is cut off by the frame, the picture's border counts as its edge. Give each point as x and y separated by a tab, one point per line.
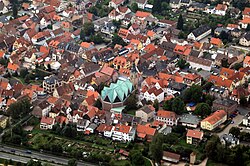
166	114
194	134
215	117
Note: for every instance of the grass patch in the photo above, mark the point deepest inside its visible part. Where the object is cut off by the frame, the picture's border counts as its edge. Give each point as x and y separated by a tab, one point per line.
131	112
212	163
121	163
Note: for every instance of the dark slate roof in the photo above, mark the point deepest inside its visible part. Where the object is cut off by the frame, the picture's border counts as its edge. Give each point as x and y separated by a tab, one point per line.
202	29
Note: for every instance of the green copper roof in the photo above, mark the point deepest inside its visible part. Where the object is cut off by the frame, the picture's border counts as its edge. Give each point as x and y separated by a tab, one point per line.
119	90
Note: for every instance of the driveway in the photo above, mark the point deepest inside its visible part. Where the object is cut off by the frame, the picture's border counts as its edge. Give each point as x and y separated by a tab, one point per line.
237	120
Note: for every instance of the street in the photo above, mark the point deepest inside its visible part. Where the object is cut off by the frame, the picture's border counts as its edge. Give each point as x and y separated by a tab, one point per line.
22	156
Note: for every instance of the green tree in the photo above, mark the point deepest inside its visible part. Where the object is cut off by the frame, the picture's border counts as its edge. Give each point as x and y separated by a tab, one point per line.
72	162
23	72
88	29
19	108
56	148
156	105
155	148
237	66
117	40
182	63
178	106
243	101
211	147
193	94
134	7
207	86
136	157
34	163
180	23
235	131
167	105
156	6
202	109
131	102
4	62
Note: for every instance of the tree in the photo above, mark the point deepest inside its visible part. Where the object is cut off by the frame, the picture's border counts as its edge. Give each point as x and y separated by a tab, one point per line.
237	66
182	63
243	101
4	62
72	162
178	106
98	104
23	72
207	86
167	105
202	109
155	148
224	63
235	131
156	105
134	7
156	6
34	163
19	108
131	102
180	23
193	94
88	29
117	40
210	147
136	157
56	148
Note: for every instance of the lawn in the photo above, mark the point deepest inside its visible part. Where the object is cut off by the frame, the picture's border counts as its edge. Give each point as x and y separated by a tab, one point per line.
211	163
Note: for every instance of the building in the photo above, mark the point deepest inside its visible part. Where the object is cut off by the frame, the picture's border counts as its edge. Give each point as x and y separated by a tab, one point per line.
141	3
246	62
245	40
200	33
116	94
145	132
51	83
152	94
3	121
227	105
42	109
246	121
214	120
47	123
189	120
123	133
200	63
171	157
194	136
168	117
146	113
229	140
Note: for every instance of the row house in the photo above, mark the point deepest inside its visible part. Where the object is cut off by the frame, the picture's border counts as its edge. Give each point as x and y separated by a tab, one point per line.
168	117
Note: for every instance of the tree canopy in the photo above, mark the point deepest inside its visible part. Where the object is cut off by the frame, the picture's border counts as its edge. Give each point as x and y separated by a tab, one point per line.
202	109
155	148
19	108
193	94
180	23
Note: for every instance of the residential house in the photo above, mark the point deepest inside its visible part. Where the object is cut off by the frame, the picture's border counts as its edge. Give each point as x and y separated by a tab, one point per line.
145	132
194	136
228	105
123	133
82	124
192	79
246	121
220	10
42	109
200	63
175	4
216	42
244	23
152	94
47	123
245	40
229	140
171	157
246	62
146	113
141	3
189	120
200	33
168	117
115	3
105	130
214	120
51	83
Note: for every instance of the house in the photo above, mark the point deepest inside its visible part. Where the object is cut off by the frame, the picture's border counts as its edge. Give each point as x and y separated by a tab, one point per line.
246	12
175	4
214	120
167	23
229	140
228	105
194	136
116	94
200	63
42	109
146	113
91	128
82	124
115	3
141	3
192	79
168	117
12	67
145	132
221	82
200	33
171	157
51	83
47	123
245	40
105	130
189	120
220	10
3	8
246	62
123	133
152	94
216	42
244	23
246	120
3	121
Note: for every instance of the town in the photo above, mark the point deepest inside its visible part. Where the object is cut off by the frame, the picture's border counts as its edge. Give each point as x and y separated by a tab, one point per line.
125	82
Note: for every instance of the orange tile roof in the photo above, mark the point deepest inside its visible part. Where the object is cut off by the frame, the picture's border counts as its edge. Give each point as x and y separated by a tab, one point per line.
247	60
12	66
245	21
226	72
123	33
4	85
150	47
221	7
183	50
191	76
194	134
246	11
198	45
215	117
142	14
216	41
47	120
10	101
108	70
85	44
120	60
150	33
92	93
218	81
122	128
52	100
141	129
166	114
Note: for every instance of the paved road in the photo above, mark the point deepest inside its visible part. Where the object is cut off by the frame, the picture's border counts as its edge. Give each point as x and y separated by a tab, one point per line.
20	154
